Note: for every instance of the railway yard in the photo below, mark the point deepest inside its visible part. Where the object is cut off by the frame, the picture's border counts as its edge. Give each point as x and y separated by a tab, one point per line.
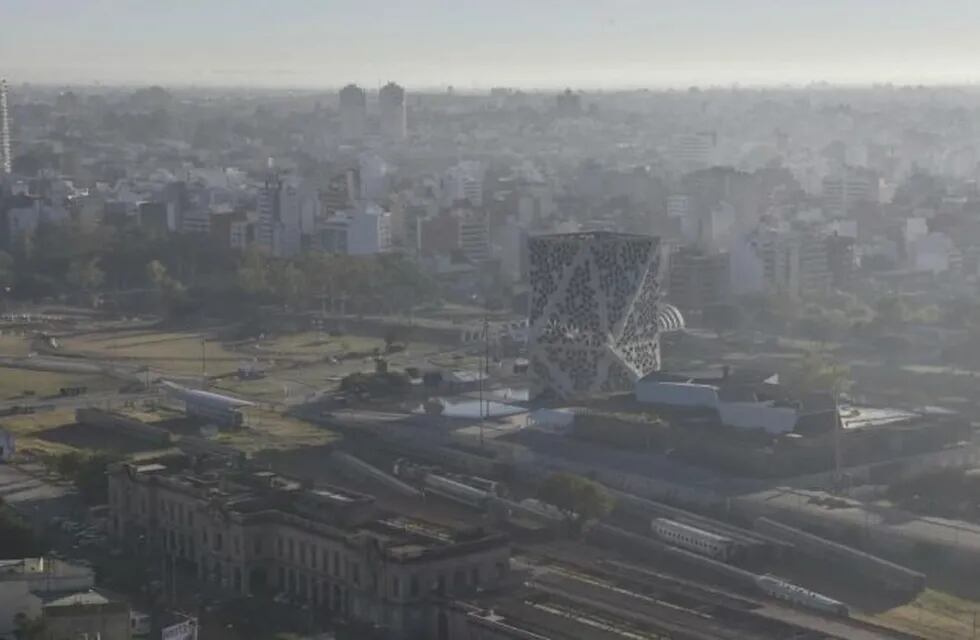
654	568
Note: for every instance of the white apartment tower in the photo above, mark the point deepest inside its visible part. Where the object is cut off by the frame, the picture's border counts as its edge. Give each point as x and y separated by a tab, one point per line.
280	225
394	120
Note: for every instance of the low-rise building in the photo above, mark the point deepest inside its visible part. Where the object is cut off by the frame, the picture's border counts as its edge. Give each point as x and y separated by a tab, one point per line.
259	533
742	399
47	575
86	615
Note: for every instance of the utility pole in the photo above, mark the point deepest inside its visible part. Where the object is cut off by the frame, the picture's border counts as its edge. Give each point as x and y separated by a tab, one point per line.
204	362
838	428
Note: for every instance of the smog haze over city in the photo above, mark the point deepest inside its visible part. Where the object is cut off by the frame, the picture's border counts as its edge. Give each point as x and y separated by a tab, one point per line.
436	320
475	44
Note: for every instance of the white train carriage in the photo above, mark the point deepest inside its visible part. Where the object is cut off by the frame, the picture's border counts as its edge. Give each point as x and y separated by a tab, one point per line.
796	594
458	491
693	539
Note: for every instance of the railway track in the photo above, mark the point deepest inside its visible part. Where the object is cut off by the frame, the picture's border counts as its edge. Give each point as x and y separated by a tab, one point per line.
680	608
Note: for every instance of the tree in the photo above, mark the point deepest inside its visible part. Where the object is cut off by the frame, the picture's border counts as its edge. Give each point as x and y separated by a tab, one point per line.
722	318
26	628
815	372
68	464
85	275
91	479
19	540
891	311
578	498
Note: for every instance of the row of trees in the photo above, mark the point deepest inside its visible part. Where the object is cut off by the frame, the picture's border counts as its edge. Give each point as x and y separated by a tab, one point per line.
189	272
88	473
837	315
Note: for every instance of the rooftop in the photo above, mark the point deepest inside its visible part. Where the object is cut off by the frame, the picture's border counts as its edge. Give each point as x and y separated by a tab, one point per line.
250	495
716	376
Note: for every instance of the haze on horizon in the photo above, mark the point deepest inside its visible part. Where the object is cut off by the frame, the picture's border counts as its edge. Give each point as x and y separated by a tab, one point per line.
478	43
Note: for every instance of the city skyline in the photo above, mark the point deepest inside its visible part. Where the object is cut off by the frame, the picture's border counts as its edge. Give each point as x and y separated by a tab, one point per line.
618	44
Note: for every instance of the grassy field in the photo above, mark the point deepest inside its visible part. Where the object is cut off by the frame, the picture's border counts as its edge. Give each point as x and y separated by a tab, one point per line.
30	430
934	615
15	382
311	345
12	345
269	431
179	353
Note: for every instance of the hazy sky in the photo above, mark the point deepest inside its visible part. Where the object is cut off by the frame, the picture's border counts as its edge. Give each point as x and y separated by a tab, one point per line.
480	43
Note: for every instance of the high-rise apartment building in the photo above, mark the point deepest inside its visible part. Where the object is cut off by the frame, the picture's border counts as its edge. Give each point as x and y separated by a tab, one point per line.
692	151
361	231
393	113
280	226
698	279
848	189
353	112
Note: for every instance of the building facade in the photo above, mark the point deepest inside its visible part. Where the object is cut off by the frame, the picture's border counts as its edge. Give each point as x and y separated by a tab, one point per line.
393	112
356	232
698	280
258	533
86	615
593	311
353	112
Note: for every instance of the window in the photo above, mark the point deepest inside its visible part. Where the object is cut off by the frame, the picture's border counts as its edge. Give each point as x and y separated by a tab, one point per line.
204	536
501	569
459	579
312	557
257	546
238	579
475	576
336	563
413	586
281	554
238	544
282	578
291	547
396	587
292	581
356	573
324	561
302	585
302	552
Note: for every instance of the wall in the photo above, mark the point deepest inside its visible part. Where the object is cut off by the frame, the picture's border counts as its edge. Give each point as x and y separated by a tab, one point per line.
753	415
109	622
678	394
46	575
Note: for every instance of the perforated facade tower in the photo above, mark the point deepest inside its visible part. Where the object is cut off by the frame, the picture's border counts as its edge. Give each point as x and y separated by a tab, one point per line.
593	316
